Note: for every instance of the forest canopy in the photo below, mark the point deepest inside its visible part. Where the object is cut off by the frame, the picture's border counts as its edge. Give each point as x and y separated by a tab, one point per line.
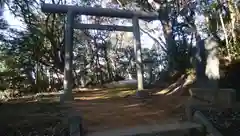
32	58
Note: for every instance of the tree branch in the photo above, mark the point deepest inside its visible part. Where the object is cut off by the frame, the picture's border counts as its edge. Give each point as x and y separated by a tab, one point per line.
161	43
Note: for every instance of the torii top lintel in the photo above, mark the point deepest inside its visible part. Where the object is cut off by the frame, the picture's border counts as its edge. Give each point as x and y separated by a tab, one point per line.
93	11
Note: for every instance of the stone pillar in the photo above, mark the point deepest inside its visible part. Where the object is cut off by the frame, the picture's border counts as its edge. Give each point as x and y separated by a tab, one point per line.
138	52
68	64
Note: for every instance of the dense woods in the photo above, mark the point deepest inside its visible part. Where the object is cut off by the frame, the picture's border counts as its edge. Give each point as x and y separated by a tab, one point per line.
32	58
193	44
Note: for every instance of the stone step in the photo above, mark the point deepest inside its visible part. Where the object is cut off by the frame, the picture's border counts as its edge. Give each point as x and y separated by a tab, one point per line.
148	130
225	96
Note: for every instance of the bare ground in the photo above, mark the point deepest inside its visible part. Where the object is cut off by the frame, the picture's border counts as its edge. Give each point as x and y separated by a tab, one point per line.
101	110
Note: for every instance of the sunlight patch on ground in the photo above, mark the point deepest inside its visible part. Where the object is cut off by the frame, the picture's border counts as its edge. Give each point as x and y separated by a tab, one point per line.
176	86
132	105
187	82
149	113
164	91
123	93
174	90
105	94
87	89
91	98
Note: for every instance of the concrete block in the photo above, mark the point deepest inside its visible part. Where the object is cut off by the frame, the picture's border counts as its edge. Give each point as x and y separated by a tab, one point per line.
200	118
162	130
219	96
75	126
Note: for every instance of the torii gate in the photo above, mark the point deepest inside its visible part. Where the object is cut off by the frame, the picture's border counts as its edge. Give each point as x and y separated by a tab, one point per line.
71	11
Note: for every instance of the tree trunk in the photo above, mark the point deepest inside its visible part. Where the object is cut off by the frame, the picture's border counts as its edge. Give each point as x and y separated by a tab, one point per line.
110	76
225	34
232	12
164	13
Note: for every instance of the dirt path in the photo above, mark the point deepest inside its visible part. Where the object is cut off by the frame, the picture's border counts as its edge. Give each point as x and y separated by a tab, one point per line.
100	110
108	113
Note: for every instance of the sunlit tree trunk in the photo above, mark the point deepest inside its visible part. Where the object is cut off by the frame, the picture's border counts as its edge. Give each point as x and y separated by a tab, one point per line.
225	34
164	12
233	15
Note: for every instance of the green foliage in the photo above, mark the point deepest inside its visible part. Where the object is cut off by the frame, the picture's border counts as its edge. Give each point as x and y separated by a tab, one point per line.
34	58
